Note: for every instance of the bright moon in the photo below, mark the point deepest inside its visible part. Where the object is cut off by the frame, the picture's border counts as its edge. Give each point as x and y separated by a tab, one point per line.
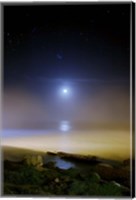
65	91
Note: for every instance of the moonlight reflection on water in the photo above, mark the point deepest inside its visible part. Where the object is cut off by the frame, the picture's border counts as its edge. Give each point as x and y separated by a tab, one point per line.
64	126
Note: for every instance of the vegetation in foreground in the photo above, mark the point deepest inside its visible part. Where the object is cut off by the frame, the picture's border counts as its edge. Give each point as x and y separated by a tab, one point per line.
23	179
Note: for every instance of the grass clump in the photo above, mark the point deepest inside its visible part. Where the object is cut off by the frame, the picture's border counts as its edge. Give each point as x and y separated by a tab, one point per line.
52	181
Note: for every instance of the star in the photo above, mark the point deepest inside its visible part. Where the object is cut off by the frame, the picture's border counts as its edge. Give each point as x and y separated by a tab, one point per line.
59	56
81	33
34	29
86	39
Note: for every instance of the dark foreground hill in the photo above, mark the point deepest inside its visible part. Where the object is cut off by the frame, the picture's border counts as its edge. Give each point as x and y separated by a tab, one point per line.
17	154
90	179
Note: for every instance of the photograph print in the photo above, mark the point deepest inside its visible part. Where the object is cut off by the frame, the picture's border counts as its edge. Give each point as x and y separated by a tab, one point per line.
66	100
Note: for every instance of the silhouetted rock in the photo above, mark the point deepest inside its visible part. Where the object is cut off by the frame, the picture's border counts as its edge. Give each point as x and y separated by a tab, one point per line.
124	189
50	165
57	180
95	177
126	162
115	183
105	165
51	153
77	157
35	160
12	165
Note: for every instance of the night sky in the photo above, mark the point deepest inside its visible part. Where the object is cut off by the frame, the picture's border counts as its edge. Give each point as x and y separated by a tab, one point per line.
82	47
67	41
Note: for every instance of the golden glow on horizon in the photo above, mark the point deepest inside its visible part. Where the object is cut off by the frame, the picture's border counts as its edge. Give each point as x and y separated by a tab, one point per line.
108	144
